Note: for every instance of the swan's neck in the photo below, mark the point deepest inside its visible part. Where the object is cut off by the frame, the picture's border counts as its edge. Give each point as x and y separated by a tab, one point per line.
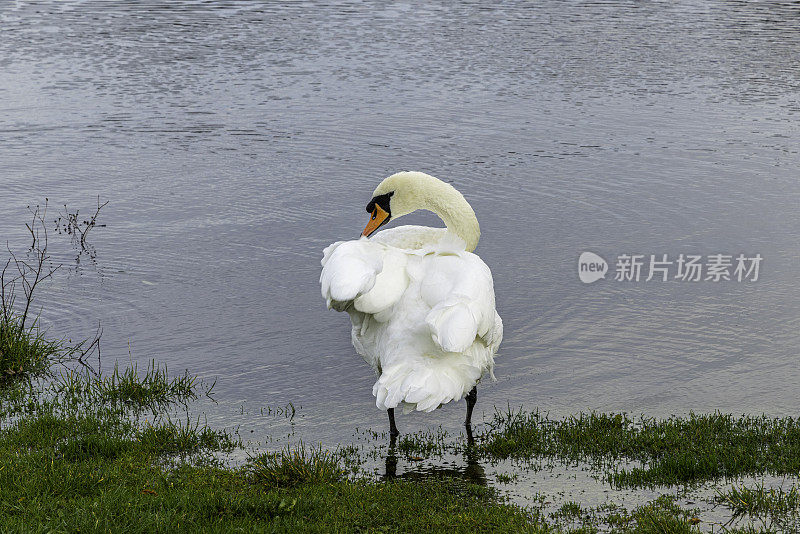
456	213
419	191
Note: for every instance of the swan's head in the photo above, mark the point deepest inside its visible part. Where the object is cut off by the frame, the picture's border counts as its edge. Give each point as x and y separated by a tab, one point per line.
406	192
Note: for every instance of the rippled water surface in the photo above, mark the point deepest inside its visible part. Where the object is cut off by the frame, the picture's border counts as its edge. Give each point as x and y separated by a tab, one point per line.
234	140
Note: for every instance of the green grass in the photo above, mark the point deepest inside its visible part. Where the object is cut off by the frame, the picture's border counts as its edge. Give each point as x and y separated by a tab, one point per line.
427	442
670	451
505	478
79	453
774	509
661	515
152	388
85	474
293	466
120	491
23	351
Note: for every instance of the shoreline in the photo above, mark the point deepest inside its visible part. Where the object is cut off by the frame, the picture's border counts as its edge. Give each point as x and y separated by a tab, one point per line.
107	452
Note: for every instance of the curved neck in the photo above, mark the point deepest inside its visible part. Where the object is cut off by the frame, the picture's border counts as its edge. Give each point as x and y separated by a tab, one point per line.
410	191
455	211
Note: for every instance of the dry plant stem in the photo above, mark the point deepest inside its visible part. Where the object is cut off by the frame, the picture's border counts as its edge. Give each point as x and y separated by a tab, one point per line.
32	271
68	223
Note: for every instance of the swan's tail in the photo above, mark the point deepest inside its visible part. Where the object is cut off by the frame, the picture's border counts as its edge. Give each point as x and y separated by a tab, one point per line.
425	385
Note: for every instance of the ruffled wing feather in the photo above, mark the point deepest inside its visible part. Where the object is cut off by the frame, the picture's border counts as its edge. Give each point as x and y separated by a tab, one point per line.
424	318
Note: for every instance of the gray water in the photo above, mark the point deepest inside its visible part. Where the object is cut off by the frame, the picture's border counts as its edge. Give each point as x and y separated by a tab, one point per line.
235	140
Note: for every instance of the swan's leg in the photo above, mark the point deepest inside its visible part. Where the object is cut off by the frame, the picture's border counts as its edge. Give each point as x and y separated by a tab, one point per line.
470	439
393	432
391	459
471	397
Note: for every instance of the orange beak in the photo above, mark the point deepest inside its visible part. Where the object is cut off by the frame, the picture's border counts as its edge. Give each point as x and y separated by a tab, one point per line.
379	217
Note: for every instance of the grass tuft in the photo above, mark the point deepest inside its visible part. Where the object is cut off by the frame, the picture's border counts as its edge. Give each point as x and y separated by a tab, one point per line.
154	387
23	350
427	442
775	508
169	437
296	465
661	516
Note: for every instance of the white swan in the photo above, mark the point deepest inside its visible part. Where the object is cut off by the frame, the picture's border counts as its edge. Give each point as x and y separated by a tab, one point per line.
421	303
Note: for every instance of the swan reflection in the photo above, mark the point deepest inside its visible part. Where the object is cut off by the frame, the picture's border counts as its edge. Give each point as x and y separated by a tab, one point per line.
470	470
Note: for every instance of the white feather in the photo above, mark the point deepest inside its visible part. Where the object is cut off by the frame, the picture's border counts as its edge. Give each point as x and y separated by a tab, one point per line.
423	313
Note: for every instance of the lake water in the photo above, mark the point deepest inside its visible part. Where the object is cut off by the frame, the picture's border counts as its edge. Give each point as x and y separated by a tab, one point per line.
235	140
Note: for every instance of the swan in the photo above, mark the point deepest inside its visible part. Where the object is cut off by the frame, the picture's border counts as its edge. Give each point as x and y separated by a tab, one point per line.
422	305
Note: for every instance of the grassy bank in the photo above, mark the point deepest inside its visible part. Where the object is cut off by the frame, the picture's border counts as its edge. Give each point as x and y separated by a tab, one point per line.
678	450
96	453
87	453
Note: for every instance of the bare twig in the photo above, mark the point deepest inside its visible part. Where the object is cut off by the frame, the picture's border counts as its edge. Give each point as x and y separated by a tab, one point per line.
70	224
31	271
40	269
81	352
